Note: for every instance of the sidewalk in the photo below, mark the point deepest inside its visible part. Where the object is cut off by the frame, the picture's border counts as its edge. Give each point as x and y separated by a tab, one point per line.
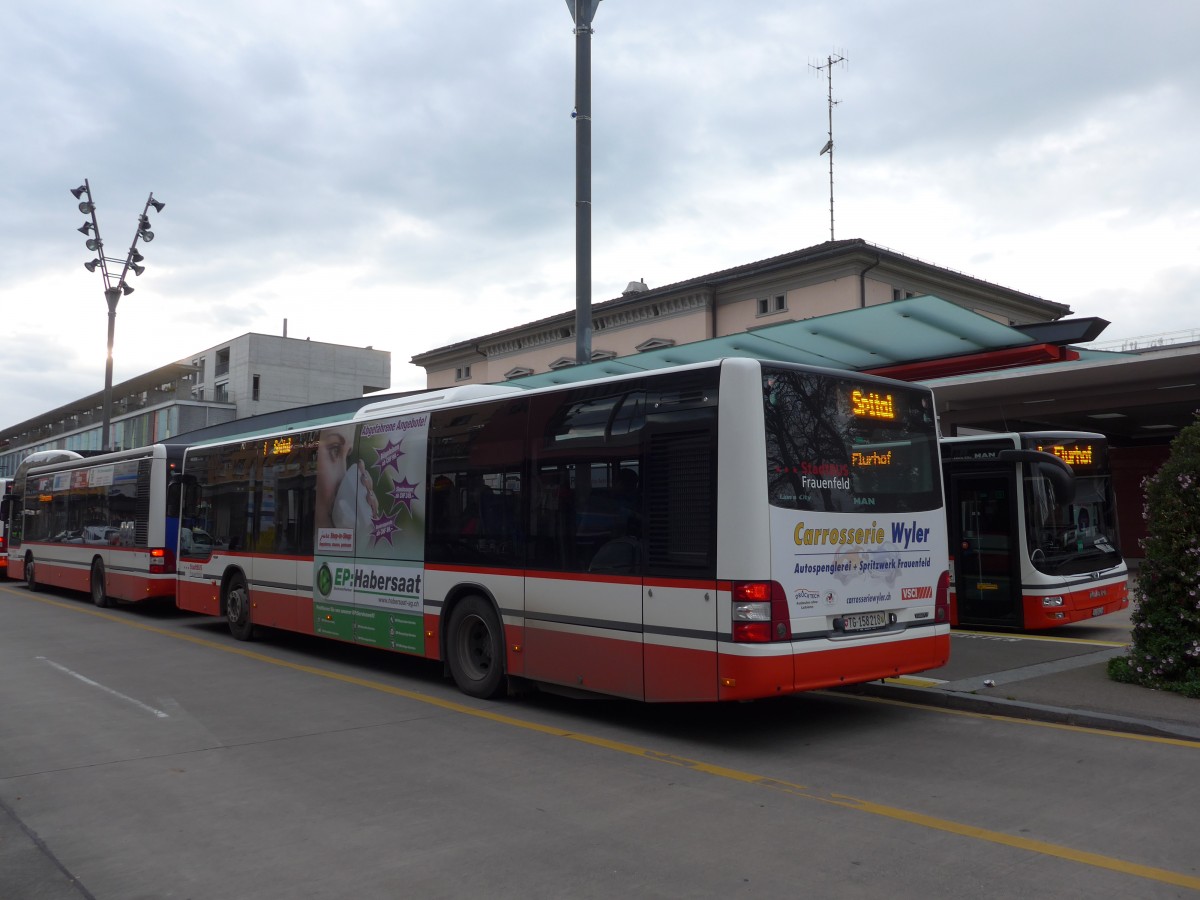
1057	676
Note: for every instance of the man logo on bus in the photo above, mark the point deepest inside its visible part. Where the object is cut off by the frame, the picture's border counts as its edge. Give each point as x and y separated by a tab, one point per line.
324	580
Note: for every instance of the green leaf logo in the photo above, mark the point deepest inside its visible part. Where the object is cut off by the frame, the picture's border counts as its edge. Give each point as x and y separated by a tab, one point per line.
324	580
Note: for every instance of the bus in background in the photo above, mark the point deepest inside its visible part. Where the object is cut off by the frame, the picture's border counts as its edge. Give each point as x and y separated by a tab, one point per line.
5	491
721	531
13	490
1027	553
98	524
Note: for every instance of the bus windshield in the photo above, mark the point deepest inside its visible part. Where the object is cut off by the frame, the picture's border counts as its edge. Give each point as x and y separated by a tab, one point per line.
848	444
1071	535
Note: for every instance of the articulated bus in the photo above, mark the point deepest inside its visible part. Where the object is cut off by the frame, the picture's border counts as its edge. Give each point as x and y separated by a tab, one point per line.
1029	550
99	525
721	531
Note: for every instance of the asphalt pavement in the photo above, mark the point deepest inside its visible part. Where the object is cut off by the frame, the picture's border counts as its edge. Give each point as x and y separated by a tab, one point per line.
1051	676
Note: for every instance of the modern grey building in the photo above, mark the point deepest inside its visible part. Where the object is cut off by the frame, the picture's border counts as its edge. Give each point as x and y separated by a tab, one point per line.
246	376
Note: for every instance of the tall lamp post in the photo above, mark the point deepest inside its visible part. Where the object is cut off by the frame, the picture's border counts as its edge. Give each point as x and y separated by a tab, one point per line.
582	12
114	289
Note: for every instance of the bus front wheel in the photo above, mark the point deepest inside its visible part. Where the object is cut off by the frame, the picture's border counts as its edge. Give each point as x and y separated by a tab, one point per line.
30	574
475	648
237	610
99	594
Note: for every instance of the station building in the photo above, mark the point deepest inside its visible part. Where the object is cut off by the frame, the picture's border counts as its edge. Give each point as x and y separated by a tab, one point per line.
832	277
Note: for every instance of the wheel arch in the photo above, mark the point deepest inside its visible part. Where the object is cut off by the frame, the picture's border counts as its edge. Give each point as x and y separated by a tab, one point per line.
454	597
227	577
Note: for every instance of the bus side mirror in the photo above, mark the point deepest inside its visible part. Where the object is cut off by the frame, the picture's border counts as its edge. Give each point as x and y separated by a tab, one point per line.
1060	475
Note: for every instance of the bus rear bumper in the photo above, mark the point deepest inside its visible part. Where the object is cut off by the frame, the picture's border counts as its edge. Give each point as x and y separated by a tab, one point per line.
768	672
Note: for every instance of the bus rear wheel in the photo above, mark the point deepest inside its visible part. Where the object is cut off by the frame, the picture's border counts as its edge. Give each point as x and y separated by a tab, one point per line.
475	648
99	594
237	609
31	574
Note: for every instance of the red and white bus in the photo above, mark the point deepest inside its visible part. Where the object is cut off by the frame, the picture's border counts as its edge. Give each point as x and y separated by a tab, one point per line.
723	531
1028	550
98	524
5	491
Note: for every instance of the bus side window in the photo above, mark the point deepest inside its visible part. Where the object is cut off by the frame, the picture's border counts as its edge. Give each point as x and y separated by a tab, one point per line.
477	507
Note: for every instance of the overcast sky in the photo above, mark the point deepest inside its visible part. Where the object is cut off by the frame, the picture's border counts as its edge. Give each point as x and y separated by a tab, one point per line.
402	174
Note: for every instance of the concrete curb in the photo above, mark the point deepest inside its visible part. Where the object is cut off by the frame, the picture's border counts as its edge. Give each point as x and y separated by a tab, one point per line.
1016	709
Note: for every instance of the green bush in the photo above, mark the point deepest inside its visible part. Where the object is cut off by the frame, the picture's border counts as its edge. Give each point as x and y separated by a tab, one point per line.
1165	650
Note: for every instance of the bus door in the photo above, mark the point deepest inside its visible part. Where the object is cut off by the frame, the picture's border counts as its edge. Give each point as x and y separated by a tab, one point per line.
583	593
984	540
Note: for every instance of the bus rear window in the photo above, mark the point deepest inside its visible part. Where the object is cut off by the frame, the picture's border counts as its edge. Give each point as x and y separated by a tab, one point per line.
848	444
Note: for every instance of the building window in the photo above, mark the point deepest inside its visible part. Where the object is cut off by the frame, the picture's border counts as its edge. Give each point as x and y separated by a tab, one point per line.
898	294
221	392
222	363
462	373
769	305
254	384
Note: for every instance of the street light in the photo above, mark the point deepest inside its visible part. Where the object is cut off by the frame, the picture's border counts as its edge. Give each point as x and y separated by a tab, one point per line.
114	289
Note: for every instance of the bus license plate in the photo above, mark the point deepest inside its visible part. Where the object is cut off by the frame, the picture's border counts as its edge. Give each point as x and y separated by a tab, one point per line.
864	621
1098	611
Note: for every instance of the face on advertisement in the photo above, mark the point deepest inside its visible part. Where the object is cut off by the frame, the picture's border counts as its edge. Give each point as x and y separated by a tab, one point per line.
333	449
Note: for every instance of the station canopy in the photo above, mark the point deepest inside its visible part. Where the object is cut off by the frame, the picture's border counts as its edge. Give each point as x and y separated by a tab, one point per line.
878	338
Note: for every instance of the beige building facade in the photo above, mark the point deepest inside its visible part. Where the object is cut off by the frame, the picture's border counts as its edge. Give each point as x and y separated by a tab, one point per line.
832	277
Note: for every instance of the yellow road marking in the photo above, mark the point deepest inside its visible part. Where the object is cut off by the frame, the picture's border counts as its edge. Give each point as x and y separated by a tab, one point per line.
1015	636
1043	848
914	681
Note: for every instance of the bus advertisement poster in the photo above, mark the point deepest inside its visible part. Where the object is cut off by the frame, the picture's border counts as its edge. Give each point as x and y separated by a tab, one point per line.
370	547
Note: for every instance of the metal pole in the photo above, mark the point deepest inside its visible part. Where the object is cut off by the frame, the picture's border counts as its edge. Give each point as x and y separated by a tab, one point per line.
111	295
582	12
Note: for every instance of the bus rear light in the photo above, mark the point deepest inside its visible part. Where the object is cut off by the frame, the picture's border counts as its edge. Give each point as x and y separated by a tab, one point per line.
162	561
760	613
941	600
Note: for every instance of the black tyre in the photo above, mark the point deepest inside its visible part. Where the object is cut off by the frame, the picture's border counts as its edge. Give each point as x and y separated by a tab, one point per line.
31	574
475	648
237	609
99	594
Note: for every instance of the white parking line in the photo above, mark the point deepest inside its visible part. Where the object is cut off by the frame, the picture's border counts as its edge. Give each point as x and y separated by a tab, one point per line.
157	713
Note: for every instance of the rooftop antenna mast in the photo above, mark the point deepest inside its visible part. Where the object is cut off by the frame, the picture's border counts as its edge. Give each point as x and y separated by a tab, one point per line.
830	61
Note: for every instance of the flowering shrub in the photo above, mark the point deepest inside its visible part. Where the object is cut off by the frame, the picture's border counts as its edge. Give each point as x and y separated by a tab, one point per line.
1165	651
